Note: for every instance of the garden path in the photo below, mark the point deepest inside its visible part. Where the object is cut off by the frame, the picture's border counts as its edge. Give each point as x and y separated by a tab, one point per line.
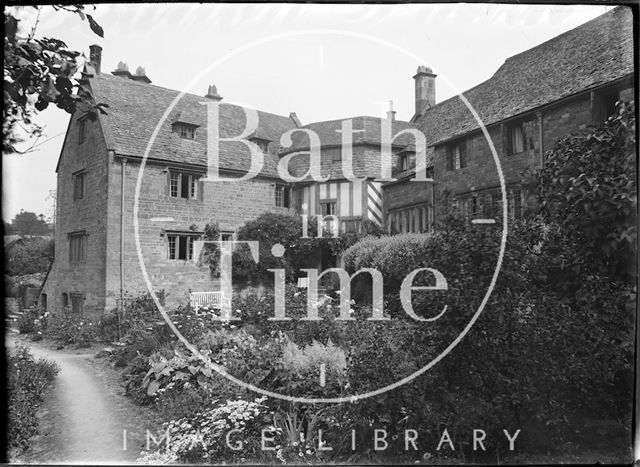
83	418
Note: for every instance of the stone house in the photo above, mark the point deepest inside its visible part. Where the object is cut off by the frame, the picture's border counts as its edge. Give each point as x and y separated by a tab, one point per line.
134	193
556	88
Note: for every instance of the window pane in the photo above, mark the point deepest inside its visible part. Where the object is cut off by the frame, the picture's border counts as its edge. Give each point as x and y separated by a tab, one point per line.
287	197
184	185
193	181
78	186
279	195
182	247
174	183
172	247
517	141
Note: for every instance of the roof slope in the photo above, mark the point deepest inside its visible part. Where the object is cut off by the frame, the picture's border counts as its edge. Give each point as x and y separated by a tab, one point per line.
366	130
135	109
595	53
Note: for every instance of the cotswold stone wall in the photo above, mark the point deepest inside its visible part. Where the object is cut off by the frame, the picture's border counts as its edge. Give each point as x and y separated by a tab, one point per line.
230	204
481	173
88	214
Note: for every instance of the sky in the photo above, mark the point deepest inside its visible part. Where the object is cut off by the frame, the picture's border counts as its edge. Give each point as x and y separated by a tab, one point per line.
321	61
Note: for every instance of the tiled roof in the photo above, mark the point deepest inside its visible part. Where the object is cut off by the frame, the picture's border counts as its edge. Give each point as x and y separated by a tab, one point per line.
136	108
588	56
329	133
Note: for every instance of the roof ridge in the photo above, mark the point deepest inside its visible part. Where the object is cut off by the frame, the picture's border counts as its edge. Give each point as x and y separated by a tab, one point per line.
527	51
164	88
575	30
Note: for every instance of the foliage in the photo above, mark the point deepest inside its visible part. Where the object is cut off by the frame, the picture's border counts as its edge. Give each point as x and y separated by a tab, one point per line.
541	312
269	229
27	223
27	381
203	435
30	256
39	72
67	327
300	252
588	186
30	321
211	253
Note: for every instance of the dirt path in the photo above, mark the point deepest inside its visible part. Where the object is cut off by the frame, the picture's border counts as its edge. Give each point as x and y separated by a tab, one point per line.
85	414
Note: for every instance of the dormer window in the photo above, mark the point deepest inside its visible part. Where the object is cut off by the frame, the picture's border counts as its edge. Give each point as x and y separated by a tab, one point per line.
263	144
184	130
407	161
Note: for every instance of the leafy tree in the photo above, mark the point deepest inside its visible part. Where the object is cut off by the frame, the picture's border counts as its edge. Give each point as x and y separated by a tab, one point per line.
39	72
32	255
27	223
286	229
588	186
269	229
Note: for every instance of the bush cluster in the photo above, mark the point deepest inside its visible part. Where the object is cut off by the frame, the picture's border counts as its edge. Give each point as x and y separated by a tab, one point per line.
27	381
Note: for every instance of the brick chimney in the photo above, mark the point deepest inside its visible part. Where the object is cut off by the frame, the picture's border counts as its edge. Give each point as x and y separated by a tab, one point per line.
140	75
212	93
425	89
95	57
122	70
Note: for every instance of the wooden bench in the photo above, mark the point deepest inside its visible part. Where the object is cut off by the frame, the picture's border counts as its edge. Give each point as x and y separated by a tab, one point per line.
198	300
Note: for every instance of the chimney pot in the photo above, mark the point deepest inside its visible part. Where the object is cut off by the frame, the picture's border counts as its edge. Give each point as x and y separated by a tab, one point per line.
140	75
212	93
391	114
95	57
425	83
122	70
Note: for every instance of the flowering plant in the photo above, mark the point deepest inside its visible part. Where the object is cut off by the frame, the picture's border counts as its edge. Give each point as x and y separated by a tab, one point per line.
229	432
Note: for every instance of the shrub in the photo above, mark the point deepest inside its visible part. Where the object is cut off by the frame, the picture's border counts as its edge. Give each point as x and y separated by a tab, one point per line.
27	381
69	328
588	186
202	436
541	312
27	321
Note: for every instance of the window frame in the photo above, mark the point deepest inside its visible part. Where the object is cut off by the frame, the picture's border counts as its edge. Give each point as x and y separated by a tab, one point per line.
282	195
77	252
176	237
80	175
409	219
76	302
185	130
82	127
457	155
326	203
191	189
527	140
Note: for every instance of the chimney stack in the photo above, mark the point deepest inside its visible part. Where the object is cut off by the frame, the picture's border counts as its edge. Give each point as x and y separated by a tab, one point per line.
212	93
140	75
122	70
95	57
391	114
294	118
425	89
